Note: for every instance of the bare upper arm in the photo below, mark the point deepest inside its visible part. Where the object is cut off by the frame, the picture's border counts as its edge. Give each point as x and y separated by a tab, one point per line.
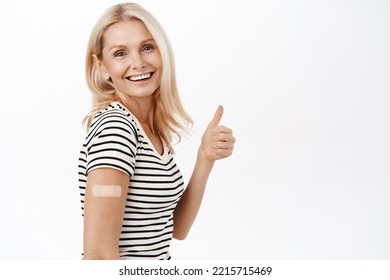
104	206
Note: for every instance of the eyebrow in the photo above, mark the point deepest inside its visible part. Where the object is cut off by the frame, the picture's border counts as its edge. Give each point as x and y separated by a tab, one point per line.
122	46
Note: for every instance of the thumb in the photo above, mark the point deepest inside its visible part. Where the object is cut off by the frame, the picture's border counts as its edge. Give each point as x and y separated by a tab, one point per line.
217	117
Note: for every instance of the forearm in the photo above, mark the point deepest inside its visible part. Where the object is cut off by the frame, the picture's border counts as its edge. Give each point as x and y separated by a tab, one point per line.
189	204
217	143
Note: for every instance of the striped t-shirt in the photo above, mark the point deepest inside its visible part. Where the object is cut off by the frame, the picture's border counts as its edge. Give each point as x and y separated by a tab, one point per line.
116	140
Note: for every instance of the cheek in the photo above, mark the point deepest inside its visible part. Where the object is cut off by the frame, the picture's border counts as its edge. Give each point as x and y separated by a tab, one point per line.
117	70
114	68
157	61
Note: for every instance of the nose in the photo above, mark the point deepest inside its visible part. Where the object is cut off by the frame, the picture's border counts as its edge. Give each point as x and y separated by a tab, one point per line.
137	61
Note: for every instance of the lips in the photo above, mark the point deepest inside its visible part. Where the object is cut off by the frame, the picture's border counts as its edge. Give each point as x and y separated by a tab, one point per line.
140	77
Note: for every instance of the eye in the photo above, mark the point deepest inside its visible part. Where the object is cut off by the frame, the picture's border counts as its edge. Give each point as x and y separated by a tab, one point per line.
119	54
147	48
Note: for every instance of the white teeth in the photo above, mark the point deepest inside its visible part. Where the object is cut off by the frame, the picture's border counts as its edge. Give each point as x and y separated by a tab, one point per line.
140	77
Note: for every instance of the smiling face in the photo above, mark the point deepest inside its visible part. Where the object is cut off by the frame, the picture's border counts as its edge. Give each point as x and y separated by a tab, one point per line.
132	60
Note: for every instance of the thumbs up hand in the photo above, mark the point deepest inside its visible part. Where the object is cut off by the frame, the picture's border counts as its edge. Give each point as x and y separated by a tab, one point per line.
217	140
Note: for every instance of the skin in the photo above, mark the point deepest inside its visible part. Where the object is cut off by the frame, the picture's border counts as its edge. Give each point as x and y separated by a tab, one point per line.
130	51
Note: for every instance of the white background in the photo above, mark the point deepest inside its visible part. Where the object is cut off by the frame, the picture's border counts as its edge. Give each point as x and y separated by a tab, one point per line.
305	86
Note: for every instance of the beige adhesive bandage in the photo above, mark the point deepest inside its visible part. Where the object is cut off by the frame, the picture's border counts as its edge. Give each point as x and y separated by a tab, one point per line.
106	190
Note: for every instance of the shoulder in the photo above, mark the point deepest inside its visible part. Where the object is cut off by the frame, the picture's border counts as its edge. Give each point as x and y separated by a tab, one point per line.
112	140
115	118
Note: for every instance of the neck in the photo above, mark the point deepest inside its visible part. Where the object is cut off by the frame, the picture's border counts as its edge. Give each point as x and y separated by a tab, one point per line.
142	109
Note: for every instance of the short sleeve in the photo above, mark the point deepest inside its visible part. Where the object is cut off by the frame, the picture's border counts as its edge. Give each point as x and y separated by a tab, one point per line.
112	143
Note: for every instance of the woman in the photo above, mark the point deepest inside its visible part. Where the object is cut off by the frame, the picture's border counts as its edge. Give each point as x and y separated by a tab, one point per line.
132	193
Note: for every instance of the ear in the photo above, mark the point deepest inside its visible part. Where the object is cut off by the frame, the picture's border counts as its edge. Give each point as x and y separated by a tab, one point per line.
99	65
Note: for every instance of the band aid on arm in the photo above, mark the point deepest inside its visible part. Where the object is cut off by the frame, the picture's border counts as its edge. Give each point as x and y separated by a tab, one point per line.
106	190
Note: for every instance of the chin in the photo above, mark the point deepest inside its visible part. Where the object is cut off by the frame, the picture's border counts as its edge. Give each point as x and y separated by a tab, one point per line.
141	94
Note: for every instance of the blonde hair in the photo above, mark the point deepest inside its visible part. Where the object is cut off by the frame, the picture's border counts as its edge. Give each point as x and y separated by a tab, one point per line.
170	118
